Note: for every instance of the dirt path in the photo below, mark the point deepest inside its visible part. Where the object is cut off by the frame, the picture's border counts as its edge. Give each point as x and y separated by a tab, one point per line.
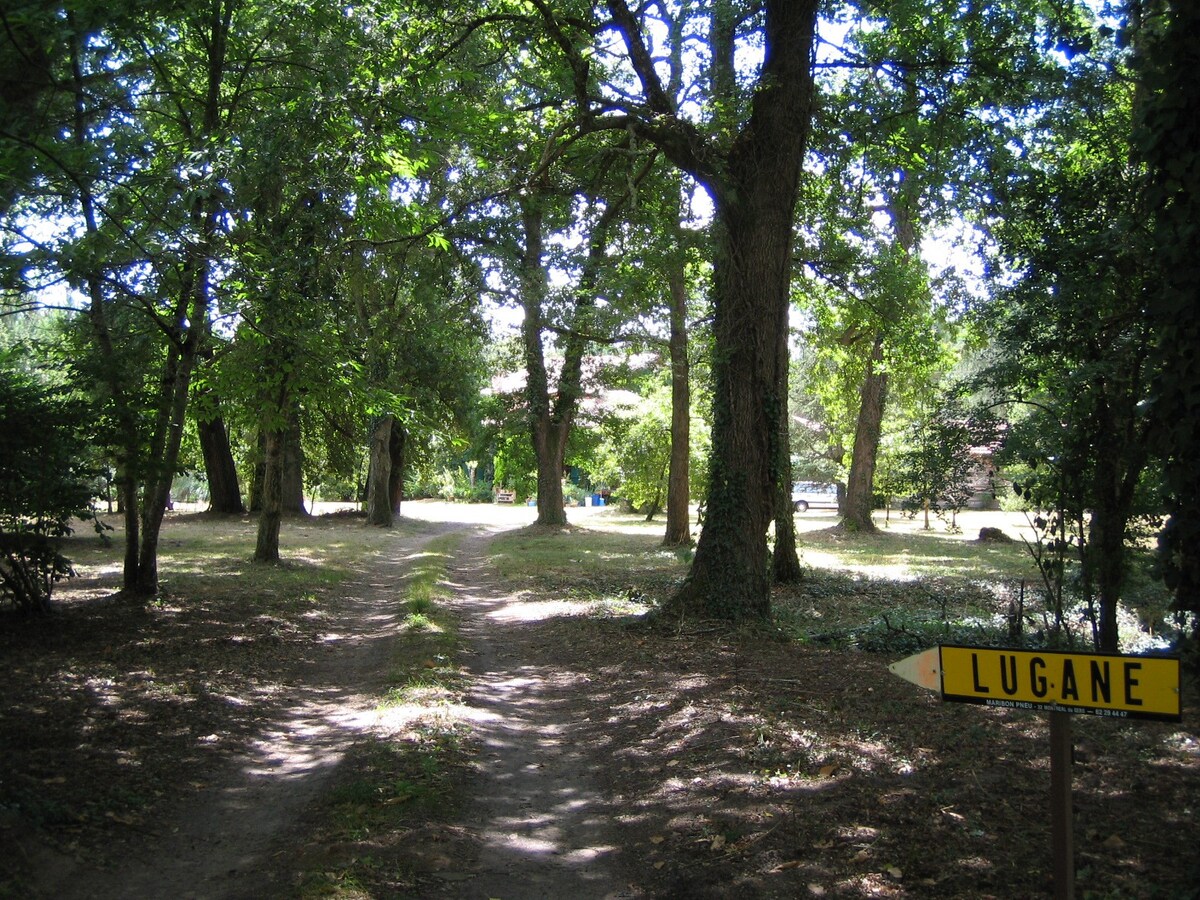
217	844
541	821
537	826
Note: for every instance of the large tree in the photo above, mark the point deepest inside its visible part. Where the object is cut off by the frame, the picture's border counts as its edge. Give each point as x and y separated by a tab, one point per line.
127	151
1169	140
746	147
919	96
1074	345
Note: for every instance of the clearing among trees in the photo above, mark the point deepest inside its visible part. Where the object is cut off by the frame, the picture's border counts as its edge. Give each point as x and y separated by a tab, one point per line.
465	706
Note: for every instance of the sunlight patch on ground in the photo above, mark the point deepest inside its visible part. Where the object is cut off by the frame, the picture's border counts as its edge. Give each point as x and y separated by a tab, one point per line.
897	571
405	716
540	610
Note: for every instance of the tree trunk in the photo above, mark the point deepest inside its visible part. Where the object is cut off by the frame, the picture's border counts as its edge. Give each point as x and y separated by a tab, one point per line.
860	485
549	444
128	494
754	186
113	376
551	419
224	492
266	549
191	324
1120	459
258	473
547	447
1106	546
292	465
903	208
679	525
396	448
381	507
785	561
385	472
730	575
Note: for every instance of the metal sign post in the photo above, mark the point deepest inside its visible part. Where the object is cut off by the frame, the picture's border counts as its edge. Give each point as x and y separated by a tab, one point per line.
1099	684
1062	828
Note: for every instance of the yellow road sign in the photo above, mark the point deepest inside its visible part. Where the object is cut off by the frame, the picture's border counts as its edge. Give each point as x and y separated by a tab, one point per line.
1117	686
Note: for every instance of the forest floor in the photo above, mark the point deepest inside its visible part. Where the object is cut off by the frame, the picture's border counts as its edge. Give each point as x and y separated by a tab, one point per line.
331	728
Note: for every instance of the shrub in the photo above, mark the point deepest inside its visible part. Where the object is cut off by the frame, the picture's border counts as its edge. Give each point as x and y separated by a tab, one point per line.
44	485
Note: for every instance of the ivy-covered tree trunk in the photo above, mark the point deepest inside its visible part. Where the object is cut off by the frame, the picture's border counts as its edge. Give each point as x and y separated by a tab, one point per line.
860	483
785	561
266	548
755	192
224	491
730	575
292	486
679	525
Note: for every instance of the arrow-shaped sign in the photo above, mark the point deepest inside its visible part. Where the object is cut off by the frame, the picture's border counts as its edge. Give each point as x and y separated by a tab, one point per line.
924	669
1102	684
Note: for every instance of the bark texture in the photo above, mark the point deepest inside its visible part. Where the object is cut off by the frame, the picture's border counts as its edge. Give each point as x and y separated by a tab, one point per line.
385	474
755	189
292	466
266	549
785	560
546	429
860	484
224	491
679	530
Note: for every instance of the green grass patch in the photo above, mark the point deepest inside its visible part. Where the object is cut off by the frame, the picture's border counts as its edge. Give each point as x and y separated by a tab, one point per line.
618	566
386	788
916	553
424	669
424	584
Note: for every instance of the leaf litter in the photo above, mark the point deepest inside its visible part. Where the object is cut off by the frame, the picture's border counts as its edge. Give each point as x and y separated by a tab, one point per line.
731	762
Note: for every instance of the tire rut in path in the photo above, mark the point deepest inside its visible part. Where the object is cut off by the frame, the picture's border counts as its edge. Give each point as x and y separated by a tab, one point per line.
217	844
542	824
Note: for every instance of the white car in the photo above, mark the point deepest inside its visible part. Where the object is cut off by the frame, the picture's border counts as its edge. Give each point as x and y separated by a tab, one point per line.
814	495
